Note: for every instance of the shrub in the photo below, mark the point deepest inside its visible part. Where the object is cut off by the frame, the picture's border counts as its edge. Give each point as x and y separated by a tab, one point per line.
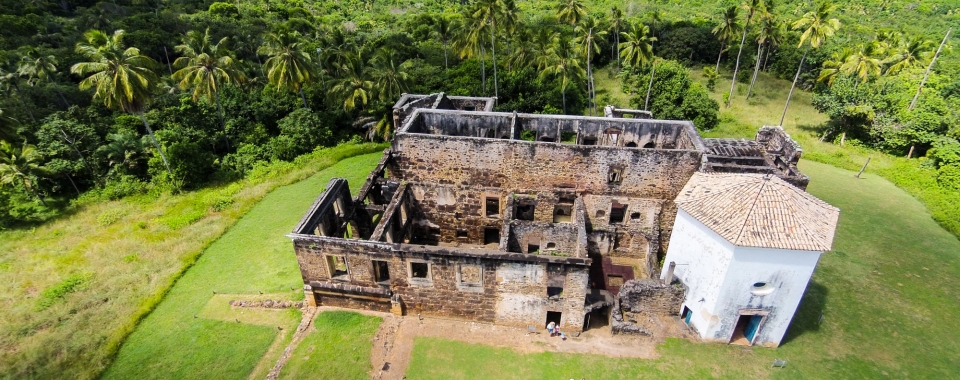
949	176
109	217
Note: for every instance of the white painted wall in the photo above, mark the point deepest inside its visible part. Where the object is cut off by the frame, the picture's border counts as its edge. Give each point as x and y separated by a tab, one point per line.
721	274
703	259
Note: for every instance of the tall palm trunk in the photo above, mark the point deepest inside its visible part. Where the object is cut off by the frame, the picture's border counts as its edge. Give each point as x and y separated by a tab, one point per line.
653	71
766	56
483	69
736	68
223	119
718	58
303	97
593	105
913	103
795	77
156	144
756	68
493	48
446	62
563	93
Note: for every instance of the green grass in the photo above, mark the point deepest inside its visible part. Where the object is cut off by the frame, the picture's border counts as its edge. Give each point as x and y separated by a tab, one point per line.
254	256
338	349
887	293
96	272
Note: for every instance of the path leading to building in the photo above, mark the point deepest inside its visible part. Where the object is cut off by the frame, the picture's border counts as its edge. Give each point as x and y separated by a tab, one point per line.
394	342
302	330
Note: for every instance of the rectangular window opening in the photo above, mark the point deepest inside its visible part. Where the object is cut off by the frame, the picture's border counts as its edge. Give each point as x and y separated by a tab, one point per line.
525	211
419	270
617	212
491	236
562	213
462	234
337	266
615	175
589	141
533	249
381	272
492	207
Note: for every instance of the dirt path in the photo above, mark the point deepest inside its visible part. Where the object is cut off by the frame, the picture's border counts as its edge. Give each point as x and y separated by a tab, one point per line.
305	327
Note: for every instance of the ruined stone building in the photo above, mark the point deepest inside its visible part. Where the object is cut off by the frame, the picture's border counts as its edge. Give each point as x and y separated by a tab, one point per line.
514	218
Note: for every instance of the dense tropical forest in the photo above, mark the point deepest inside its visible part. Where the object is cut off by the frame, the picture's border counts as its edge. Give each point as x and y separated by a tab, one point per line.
103	99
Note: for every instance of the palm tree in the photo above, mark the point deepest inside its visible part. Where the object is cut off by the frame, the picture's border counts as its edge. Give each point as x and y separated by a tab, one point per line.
752	7
444	28
8	127
588	46
120	76
561	62
123	150
617	23
391	79
206	66
355	86
468	42
832	67
289	64
571	11
486	12
36	65
525	48
909	55
638	48
863	63
817	26
9	81
768	37
727	30
21	164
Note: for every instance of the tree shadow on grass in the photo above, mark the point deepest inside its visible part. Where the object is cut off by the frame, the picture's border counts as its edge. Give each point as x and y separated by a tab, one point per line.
807	318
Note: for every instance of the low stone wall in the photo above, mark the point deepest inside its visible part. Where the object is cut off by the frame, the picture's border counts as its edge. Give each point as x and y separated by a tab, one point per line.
640	302
267	304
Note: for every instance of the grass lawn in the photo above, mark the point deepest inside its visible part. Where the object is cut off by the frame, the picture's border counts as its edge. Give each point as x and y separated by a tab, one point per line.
338	349
186	336
887	293
76	286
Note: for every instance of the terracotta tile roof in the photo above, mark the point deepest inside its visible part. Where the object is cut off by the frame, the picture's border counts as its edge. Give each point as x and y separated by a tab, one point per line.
756	210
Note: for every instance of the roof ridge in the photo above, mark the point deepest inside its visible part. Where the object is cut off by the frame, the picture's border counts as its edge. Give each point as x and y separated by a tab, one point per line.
802	222
748	213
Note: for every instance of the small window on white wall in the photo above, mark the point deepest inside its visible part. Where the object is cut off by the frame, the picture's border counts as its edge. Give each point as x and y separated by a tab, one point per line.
761	288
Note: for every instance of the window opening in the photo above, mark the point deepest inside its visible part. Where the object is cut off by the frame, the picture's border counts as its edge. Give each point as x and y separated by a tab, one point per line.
493	207
589	141
419	270
337	265
551	245
562	213
381	271
648	145
555	280
615	175
525	211
461	233
617	212
533	249
631	145
491	236
635	215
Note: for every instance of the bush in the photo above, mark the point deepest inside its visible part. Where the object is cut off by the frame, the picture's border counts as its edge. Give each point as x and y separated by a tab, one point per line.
75	282
949	177
300	132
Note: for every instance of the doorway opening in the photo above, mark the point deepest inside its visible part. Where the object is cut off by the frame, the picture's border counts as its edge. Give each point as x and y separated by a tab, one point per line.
491	236
553	316
746	330
686	314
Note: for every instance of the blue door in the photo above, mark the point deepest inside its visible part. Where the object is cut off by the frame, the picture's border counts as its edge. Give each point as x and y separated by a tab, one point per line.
752	325
686	315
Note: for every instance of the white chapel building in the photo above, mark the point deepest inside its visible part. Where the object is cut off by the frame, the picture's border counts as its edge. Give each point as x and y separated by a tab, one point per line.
745	246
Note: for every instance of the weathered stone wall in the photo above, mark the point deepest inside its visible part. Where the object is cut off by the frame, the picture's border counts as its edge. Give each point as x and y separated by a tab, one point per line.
447	210
471	284
640	302
557	239
519	166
